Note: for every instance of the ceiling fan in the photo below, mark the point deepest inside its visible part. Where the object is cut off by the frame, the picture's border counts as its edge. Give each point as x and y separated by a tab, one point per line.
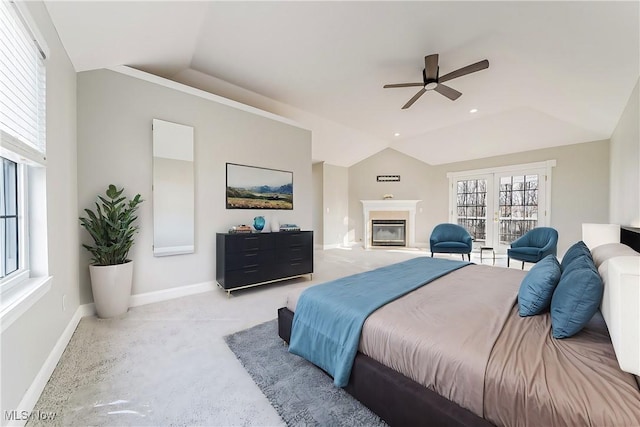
432	81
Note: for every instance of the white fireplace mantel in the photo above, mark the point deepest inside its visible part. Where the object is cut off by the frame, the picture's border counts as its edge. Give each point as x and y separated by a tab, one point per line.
390	205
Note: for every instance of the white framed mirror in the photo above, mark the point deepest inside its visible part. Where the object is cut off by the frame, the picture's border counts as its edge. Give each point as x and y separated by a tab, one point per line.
173	189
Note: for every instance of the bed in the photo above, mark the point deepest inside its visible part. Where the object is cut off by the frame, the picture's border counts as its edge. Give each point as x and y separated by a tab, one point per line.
471	365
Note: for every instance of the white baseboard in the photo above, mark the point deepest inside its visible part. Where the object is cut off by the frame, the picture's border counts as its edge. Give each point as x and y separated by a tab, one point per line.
171	293
333	246
32	395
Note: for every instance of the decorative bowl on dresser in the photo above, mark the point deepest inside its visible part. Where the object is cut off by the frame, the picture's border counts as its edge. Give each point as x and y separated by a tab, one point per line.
246	260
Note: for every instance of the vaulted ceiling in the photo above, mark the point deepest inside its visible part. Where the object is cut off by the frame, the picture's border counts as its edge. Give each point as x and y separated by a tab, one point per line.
560	72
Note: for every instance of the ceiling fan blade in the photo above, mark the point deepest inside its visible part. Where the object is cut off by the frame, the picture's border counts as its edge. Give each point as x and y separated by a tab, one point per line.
414	99
464	71
450	93
431	66
402	85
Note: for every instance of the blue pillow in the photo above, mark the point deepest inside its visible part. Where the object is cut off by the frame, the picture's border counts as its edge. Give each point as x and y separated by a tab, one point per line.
538	285
576	298
574	252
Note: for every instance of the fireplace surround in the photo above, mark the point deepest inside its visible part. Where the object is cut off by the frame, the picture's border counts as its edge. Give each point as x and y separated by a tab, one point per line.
389	209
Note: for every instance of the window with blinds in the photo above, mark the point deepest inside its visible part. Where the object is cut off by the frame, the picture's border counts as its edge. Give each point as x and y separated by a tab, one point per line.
22	87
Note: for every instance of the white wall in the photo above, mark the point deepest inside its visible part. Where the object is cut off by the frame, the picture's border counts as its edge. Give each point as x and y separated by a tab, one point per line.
30	339
335	196
580	190
115	146
625	165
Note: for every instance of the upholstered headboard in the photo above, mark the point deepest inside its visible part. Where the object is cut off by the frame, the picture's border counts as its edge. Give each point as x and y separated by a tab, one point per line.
620	272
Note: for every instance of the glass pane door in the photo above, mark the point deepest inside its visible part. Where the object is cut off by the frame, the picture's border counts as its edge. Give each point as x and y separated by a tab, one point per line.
497	208
520	205
472	208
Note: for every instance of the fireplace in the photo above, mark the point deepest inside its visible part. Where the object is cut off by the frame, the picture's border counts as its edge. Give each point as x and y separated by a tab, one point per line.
388	232
389	209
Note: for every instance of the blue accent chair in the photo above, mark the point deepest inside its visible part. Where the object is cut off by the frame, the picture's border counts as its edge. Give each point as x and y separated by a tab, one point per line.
534	245
451	239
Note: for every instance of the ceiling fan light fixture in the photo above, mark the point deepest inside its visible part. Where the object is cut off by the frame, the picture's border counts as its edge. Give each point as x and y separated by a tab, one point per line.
473	110
431	79
396	134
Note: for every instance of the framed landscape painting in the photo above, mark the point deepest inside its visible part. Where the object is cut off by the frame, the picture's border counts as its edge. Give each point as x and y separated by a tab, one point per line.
252	187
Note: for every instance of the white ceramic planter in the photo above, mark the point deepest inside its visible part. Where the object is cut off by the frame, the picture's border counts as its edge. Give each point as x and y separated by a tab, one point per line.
111	286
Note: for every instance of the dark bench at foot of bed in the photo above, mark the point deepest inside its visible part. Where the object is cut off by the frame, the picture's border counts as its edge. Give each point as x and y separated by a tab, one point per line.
392	396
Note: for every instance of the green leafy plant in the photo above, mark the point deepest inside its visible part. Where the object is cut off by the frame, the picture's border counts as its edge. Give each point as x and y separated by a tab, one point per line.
111	227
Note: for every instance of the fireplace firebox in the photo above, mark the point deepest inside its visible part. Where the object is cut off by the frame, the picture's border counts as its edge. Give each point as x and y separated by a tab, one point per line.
388	232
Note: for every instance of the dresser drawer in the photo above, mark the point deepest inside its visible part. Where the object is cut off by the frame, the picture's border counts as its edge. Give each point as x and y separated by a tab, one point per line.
289	239
294	268
249	242
294	254
249	259
246	276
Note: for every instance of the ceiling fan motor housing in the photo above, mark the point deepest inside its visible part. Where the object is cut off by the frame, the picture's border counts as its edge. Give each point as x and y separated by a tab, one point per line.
430	84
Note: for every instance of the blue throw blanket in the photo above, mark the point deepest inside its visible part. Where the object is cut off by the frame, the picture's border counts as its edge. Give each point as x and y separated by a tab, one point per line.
329	317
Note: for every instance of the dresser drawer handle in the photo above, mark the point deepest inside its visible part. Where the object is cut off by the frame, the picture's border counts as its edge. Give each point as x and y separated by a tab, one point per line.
250	238
250	271
296	259
295	263
250	266
248	255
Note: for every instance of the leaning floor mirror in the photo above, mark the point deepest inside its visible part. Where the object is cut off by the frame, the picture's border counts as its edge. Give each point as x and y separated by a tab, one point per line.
173	189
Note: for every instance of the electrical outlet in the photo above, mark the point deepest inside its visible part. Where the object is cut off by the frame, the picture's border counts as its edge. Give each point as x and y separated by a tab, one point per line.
64	303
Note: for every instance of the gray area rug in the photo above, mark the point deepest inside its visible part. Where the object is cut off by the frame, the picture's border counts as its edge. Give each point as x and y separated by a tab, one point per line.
301	393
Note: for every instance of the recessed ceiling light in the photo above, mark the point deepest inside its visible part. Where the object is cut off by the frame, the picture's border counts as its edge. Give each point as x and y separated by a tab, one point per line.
473	110
396	134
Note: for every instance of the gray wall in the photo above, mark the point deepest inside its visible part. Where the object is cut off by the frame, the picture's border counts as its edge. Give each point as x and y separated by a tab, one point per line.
114	146
317	208
26	344
335	195
580	191
625	165
416	181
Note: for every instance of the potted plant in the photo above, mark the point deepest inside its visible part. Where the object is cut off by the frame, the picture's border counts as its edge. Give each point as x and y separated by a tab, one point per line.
112	230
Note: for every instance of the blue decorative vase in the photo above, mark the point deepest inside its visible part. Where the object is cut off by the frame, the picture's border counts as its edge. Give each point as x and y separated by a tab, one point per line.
258	223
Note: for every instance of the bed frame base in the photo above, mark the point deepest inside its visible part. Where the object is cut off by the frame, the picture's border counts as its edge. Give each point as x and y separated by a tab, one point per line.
395	398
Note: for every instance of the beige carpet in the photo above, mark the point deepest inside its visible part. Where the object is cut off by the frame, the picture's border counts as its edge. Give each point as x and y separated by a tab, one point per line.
167	363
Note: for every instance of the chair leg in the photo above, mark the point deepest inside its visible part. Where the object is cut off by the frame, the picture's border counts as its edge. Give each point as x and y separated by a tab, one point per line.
431	254
469	256
522	265
508	261
462	257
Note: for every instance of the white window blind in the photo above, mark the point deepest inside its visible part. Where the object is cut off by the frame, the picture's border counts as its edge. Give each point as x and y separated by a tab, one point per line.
22	87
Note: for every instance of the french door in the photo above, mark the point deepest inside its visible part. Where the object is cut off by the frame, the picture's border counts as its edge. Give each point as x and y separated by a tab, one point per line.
500	206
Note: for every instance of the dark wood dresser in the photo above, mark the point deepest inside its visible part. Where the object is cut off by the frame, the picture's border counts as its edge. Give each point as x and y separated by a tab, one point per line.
245	260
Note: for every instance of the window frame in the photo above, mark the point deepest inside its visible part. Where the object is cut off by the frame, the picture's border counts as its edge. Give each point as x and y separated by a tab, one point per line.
22	273
21	289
